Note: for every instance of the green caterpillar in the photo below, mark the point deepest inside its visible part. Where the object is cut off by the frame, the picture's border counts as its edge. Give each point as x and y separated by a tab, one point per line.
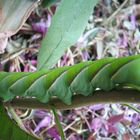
83	78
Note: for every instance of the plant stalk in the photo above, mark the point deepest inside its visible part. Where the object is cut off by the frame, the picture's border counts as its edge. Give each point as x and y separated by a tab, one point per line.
58	123
132	107
114	96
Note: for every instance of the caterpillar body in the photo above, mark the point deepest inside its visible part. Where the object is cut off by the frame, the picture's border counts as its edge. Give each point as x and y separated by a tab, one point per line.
83	78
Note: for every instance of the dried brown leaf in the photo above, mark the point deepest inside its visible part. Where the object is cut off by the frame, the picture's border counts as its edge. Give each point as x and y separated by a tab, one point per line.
13	14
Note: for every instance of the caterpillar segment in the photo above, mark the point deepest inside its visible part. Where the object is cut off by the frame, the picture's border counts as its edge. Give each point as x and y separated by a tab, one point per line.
83	78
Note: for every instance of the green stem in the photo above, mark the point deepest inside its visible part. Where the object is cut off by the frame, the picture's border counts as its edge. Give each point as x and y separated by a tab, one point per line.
58	123
132	107
114	96
15	117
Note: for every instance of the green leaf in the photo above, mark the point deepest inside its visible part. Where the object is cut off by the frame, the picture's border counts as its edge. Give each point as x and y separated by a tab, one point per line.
83	78
9	130
48	3
67	25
